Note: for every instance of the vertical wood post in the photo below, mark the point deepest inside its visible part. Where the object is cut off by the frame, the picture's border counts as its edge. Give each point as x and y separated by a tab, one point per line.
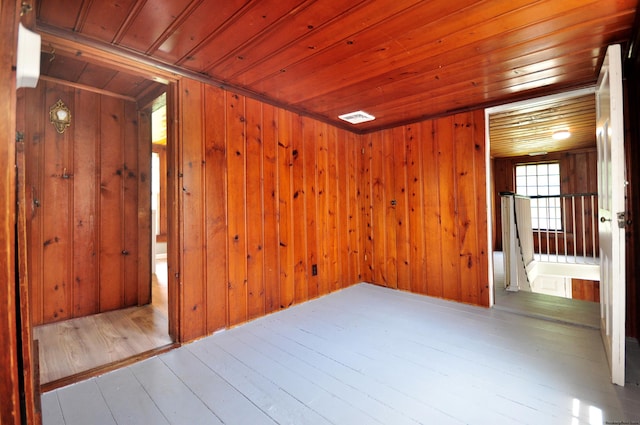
9	373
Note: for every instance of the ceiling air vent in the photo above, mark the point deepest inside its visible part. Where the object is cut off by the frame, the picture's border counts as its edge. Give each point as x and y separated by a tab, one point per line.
357	117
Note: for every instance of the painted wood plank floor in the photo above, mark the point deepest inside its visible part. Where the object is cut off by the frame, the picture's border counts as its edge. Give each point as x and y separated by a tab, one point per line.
81	344
578	312
364	355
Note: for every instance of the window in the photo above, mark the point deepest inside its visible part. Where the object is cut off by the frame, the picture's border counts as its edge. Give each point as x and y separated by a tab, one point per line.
542	182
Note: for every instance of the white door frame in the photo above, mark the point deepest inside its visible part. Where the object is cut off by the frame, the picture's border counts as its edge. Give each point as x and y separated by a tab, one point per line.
502	108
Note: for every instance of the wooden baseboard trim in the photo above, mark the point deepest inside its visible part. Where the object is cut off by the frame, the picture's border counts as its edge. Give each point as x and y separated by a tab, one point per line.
100	370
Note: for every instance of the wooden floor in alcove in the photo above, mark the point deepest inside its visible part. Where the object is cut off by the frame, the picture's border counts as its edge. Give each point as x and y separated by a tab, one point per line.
83	344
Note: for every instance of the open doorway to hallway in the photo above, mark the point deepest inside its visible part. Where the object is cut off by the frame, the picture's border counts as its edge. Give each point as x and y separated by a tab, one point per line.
159	288
558	178
103	238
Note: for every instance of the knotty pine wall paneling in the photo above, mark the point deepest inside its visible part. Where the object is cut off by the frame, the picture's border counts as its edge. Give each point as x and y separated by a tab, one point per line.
415	198
237	177
260	204
313	235
429	148
255	209
85	219
143	202
193	220
299	175
285	205
86	165
11	410
366	208
332	258
271	210
322	206
436	176
389	224
214	211
446	166
401	199
354	199
56	200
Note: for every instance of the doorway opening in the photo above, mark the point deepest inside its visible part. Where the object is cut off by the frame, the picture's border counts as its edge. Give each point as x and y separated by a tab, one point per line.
522	150
115	307
159	288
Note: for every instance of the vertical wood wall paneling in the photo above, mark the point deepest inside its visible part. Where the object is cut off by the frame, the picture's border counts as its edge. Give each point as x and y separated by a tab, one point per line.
343	200
111	204
299	217
429	154
131	219
466	205
29	372
86	180
34	159
331	255
433	240
236	208
255	213
271	208
322	156
354	199
82	191
57	197
162	201
144	207
415	209
311	205
389	167
301	188
365	162
399	137
194	300
285	193
444	131
10	372
430	148
586	290
503	180
378	211
215	209
175	213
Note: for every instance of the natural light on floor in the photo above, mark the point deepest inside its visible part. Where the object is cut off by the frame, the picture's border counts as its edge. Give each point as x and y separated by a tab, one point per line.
595	414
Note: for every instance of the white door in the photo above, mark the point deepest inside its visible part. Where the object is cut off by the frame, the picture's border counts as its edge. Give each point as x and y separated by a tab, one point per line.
611	200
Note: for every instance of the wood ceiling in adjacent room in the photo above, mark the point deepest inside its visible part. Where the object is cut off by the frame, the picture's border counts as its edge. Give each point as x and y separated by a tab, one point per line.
400	60
101	76
528	129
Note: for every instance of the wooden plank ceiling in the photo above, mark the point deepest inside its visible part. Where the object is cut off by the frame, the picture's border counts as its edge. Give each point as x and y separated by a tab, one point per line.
400	60
529	129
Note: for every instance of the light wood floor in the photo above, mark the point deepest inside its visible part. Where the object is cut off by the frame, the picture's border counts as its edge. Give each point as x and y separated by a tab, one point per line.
78	345
364	355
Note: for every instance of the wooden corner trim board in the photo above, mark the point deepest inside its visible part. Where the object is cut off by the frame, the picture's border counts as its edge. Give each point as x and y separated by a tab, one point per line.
10	374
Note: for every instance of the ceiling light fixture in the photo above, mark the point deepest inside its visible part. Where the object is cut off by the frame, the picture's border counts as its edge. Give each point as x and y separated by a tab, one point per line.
357	117
561	135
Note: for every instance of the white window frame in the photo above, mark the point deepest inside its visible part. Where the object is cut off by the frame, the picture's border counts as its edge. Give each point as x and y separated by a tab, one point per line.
541	182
